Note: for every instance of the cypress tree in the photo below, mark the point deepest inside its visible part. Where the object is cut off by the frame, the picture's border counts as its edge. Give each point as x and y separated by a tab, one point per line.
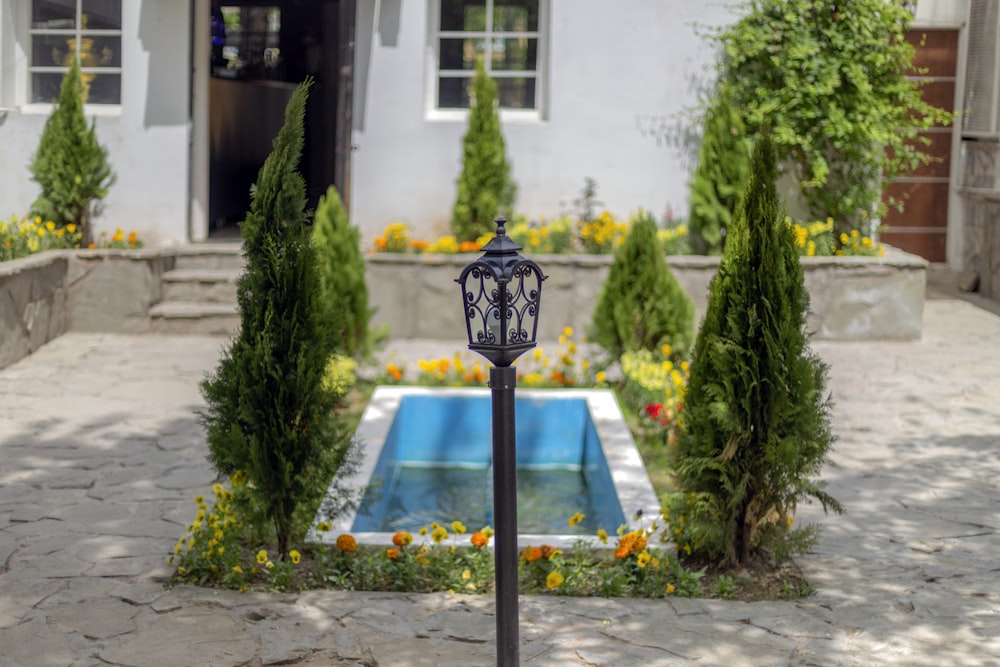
485	188
342	274
269	412
641	305
70	164
720	177
756	422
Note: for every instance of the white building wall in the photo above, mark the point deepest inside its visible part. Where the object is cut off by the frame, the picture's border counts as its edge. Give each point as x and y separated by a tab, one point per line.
146	137
618	74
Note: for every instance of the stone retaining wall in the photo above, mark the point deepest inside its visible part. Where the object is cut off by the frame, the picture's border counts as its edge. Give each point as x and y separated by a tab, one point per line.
43	296
852	298
46	295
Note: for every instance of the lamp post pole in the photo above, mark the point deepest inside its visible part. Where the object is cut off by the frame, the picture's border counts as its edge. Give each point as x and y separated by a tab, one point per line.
503	379
501	295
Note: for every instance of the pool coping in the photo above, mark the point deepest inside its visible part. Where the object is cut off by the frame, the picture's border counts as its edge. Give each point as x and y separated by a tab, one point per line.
628	474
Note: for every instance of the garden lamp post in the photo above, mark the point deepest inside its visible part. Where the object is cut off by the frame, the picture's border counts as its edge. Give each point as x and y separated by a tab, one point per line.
501	293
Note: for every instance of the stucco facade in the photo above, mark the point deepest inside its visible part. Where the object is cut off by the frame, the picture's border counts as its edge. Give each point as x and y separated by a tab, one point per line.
615	80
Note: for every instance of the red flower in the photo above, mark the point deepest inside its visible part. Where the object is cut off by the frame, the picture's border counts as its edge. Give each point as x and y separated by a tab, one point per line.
654	410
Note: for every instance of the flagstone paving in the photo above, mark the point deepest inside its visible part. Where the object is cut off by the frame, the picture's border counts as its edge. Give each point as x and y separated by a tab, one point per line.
101	454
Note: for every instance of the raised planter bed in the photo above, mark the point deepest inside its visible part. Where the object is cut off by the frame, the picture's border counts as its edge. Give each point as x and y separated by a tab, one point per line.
113	291
852	298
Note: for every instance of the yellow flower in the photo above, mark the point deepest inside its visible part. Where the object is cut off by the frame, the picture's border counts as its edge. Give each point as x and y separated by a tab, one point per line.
487	531
670	589
601	377
181	571
602	535
41	231
575	519
71	228
199	500
458	527
217	489
642	560
269	565
467	574
295	556
439	534
323	526
568	332
554	580
237	569
261	556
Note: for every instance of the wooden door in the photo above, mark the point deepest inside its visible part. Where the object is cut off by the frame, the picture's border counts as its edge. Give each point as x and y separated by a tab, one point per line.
922	227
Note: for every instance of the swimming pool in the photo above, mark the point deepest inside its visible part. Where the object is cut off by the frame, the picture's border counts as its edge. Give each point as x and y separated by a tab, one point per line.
428	453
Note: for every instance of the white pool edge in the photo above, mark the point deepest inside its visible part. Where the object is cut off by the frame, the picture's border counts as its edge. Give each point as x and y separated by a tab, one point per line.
631	482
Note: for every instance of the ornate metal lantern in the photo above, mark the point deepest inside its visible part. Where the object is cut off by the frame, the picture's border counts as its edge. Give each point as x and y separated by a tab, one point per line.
501	294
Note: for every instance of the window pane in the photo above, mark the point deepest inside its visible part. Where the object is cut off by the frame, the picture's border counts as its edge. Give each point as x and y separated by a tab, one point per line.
467	15
104	88
515	16
102	14
453	93
52	50
58	51
517	93
460	54
517	53
45	87
53	14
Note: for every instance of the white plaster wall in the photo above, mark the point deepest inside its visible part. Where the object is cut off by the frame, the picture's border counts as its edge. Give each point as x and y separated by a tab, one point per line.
941	12
616	70
146	137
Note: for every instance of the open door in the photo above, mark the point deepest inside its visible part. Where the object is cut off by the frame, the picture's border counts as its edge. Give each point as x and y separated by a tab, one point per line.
260	51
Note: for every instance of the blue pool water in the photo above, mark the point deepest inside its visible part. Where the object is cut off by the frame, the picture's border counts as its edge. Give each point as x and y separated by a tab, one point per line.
435	466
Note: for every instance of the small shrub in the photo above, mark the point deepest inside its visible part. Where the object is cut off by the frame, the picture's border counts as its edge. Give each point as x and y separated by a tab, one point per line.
756	425
70	165
485	188
342	275
720	176
641	305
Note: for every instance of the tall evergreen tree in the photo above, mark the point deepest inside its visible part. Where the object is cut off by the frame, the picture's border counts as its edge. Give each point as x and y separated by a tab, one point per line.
70	164
485	188
269	412
756	425
342	274
720	176
641	305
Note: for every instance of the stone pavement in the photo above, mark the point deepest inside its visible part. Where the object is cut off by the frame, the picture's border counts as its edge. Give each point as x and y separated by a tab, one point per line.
101	455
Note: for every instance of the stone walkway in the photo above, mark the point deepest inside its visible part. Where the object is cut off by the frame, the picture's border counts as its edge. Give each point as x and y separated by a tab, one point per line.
101	455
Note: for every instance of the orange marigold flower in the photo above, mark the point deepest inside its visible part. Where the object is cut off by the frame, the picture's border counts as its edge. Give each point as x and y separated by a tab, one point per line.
347	543
419	245
392	554
479	540
621	552
402	538
639	544
549	551
381	242
468	246
531	554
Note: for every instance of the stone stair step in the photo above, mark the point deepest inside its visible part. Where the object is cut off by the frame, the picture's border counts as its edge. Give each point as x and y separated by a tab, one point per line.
210	256
201	285
185	317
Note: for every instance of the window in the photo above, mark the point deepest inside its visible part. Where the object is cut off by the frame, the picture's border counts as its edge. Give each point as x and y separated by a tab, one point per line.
506	34
90	30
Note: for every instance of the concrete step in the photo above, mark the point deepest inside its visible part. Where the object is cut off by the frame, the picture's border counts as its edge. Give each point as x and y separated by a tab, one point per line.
210	256
201	285
185	317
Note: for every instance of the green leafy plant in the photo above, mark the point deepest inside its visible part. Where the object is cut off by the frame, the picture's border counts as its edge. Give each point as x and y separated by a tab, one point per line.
720	176
269	411
756	425
641	305
342	275
70	165
485	188
831	79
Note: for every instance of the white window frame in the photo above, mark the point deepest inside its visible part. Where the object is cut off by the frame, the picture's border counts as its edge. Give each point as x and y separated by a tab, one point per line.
435	34
77	33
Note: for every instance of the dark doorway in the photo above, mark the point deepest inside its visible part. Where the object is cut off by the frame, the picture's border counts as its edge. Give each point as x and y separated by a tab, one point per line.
261	50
